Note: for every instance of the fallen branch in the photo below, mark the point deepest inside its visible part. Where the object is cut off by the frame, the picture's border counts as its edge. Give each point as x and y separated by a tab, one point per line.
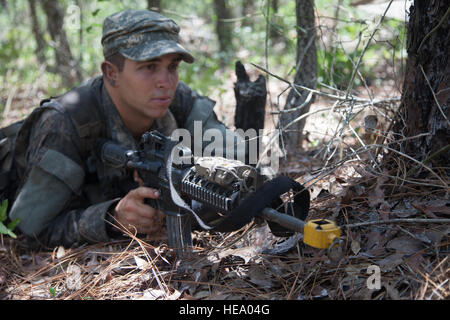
395	221
328	95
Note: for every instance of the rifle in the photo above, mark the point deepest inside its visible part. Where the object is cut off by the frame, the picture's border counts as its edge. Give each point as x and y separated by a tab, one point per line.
229	191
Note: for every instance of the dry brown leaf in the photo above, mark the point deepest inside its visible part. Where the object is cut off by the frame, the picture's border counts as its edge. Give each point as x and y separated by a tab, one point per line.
141	263
432	207
415	261
319	292
384	210
392	291
355	246
3	275
376	196
152	294
373	239
246	253
405	245
202	294
218	295
436	235
35	263
259	277
404	209
390	262
73	280
60	252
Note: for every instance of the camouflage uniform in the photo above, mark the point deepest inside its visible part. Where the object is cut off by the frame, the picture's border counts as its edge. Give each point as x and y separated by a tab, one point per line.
65	194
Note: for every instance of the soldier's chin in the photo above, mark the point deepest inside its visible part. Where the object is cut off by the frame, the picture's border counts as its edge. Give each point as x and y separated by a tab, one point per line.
160	112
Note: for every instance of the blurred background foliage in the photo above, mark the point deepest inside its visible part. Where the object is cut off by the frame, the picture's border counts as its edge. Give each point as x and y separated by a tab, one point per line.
263	32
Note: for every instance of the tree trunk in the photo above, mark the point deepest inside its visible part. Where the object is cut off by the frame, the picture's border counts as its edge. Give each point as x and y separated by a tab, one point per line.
41	44
224	29
4	5
275	34
80	5
65	64
426	87
306	74
250	103
247	10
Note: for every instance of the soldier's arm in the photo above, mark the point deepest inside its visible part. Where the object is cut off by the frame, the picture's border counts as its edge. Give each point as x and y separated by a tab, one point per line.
50	202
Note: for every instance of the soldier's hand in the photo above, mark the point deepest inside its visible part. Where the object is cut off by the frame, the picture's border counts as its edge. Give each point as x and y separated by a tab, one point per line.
132	213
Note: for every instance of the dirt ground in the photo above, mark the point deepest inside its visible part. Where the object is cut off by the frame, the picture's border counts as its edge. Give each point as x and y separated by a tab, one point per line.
394	233
408	258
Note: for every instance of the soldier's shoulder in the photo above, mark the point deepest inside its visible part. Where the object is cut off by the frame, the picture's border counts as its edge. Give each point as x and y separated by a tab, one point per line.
52	120
50	114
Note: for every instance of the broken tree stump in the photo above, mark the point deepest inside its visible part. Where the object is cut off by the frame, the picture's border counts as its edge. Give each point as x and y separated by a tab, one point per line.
250	101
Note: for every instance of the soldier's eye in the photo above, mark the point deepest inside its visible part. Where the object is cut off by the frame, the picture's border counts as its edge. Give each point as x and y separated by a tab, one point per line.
173	67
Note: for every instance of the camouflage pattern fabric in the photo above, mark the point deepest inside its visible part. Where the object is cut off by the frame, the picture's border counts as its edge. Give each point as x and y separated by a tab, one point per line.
141	35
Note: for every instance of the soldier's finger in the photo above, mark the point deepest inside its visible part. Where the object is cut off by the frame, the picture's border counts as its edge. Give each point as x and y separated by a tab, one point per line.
146	211
144	192
137	178
156	227
160	215
157	218
149	225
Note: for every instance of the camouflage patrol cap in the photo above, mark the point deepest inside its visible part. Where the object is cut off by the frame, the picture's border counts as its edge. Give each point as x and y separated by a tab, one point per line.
141	35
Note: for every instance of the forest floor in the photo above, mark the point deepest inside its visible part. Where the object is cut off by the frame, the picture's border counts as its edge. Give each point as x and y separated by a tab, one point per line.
394	246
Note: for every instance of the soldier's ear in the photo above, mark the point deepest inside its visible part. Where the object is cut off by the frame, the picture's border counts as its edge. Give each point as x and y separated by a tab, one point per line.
110	72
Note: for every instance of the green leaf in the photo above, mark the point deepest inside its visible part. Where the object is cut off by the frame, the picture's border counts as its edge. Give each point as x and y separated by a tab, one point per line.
5	230
52	291
3	209
13	224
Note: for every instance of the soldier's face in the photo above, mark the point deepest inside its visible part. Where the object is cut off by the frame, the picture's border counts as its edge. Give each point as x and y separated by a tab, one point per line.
147	88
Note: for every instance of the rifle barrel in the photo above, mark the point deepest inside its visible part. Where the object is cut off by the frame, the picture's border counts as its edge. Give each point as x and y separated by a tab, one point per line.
285	220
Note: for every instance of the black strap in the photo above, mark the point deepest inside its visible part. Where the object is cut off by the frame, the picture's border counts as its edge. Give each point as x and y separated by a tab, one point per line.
4	180
267	196
10	130
83	108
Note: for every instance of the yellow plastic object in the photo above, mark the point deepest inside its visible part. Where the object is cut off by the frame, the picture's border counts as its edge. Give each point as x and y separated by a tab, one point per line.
320	233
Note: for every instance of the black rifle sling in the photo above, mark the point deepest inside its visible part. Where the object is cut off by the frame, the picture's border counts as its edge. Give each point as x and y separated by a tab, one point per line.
83	109
268	195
